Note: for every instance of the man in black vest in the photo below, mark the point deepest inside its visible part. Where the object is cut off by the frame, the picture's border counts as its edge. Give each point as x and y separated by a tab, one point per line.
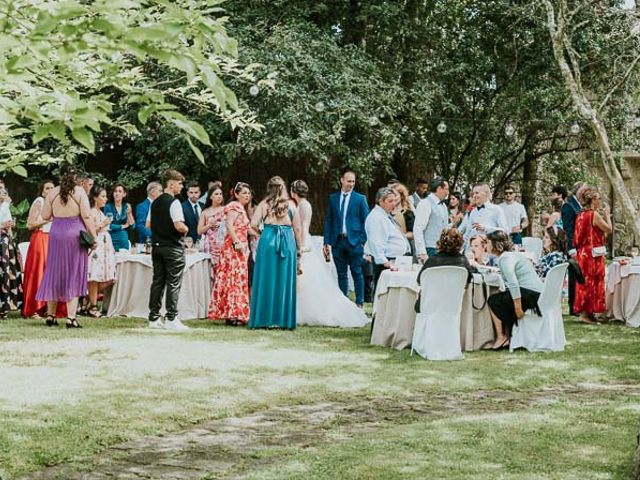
167	230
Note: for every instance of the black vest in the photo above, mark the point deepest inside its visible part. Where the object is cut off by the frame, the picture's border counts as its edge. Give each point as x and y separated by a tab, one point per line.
163	232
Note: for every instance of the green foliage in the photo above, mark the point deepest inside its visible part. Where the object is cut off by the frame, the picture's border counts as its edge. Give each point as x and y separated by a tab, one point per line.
67	68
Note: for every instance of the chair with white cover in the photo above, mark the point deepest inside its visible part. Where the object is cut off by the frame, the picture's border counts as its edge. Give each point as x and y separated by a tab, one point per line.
533	245
436	335
545	333
24	248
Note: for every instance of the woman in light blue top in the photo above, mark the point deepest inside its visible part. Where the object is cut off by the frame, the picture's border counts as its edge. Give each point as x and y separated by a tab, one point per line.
523	287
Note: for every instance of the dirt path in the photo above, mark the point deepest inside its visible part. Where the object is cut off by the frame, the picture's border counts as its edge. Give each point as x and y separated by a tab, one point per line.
229	448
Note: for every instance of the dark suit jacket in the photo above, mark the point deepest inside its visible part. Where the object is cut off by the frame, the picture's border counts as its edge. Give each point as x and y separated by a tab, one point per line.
357	212
443	260
142	210
569	212
191	220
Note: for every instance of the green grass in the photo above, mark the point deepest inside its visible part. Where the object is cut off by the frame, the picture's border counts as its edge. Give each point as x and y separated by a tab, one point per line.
572	414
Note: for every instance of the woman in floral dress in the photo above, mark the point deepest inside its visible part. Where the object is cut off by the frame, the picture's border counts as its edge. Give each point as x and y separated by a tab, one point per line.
102	260
230	296
10	270
210	225
590	231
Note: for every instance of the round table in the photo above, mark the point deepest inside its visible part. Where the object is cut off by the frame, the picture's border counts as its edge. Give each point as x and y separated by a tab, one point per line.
623	293
134	274
394	314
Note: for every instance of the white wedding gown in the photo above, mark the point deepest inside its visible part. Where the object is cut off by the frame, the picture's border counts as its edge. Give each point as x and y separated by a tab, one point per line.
320	301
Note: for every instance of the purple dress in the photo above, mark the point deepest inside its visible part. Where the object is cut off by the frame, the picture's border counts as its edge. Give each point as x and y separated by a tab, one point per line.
66	271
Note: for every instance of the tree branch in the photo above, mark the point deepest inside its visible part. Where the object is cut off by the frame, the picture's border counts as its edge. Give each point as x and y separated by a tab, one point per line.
620	83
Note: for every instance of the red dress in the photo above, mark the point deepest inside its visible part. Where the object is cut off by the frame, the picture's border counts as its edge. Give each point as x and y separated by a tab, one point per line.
230	296
589	296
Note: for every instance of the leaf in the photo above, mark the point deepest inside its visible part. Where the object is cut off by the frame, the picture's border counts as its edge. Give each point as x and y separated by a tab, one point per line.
20	170
192	128
85	138
196	150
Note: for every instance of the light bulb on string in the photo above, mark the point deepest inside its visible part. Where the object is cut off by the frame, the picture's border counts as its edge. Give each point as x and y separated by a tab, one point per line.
442	127
509	130
111	146
374	121
119	143
319	107
254	90
101	149
575	128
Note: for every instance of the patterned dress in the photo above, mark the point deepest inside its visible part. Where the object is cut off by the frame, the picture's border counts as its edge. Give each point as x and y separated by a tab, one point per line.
213	240
102	260
549	261
230	296
589	295
10	269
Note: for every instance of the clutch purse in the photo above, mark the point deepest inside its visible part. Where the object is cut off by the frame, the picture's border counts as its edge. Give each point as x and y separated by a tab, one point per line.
598	251
86	239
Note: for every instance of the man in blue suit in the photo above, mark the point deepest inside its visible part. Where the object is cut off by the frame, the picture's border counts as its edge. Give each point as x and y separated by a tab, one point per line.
344	233
569	212
154	189
192	210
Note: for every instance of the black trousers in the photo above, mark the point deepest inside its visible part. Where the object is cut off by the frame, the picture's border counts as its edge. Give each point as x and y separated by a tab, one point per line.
572	291
168	267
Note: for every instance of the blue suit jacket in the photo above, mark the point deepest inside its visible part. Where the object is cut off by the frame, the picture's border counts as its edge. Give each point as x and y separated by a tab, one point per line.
356	215
569	212
191	220
142	210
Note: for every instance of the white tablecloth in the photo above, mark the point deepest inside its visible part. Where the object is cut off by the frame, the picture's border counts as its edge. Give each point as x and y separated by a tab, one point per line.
623	293
393	308
134	274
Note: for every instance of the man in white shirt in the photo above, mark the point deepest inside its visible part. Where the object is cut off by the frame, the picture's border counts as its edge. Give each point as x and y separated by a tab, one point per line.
432	216
515	214
422	188
385	240
485	217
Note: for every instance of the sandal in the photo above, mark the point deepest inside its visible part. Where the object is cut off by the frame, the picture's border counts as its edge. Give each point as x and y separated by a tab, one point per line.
51	321
93	311
72	323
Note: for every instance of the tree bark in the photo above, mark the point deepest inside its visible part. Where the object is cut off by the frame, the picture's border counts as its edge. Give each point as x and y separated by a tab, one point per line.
561	43
529	189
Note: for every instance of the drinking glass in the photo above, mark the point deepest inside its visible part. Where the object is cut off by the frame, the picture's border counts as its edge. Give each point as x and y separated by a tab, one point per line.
110	217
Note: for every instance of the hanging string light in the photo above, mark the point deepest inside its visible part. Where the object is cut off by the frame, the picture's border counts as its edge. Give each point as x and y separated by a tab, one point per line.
254	90
509	130
442	127
575	128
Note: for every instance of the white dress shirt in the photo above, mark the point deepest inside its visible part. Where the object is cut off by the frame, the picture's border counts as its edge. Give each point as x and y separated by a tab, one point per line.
343	220
385	240
5	213
489	215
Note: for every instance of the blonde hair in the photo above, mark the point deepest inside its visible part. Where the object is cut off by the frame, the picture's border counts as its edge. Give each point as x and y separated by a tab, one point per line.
403	192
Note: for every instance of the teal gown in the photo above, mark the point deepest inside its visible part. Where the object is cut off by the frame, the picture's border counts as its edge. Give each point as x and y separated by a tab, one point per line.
273	291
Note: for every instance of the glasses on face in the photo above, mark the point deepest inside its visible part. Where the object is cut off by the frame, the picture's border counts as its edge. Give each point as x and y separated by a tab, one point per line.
509	193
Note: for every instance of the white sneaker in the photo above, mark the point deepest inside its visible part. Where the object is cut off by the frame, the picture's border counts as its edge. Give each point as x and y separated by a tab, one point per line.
157	325
175	326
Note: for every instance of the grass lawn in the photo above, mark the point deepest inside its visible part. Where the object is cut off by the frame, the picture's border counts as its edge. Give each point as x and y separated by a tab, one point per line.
223	402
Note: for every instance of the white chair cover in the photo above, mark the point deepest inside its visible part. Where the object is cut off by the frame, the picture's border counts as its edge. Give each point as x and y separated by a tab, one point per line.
533	245
545	333
24	248
436	335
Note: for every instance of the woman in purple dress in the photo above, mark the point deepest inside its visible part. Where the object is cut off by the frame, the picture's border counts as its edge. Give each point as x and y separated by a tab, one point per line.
65	275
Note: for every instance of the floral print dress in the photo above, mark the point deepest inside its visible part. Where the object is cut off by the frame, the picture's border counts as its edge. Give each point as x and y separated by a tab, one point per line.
230	296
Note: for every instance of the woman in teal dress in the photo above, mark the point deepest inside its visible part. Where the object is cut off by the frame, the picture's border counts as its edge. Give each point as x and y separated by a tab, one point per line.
121	217
273	293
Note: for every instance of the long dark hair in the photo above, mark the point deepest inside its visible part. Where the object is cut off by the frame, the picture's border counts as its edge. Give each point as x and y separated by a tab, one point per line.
94	193
67	182
114	189
43	183
558	239
211	191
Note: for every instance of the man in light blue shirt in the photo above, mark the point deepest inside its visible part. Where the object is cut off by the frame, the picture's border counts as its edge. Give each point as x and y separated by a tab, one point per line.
485	218
385	240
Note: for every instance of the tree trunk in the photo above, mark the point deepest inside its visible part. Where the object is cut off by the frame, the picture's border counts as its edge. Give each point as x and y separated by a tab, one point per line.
560	41
529	190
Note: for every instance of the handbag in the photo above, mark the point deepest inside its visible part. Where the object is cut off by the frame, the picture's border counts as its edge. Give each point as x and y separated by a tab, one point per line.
574	268
86	239
600	251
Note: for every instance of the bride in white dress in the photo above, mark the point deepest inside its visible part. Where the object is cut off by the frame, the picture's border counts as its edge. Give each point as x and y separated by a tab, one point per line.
320	301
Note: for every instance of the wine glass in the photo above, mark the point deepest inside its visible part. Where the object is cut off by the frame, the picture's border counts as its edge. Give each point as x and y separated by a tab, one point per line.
110	217
188	242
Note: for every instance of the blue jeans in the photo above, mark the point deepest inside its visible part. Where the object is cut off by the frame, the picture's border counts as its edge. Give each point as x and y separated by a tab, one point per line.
345	256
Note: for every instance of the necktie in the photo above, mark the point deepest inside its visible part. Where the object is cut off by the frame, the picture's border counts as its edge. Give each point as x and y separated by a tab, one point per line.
195	211
342	212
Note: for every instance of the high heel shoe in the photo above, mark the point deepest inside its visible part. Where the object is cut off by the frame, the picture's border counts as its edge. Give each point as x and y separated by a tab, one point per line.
51	321
72	323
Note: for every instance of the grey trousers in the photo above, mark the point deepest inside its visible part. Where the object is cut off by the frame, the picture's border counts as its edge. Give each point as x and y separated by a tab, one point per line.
168	267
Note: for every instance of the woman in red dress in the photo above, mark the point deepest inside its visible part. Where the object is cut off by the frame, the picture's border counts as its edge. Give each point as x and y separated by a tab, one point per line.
36	258
590	231
230	296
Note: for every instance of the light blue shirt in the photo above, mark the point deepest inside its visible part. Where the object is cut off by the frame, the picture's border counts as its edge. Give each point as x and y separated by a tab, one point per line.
518	271
490	216
385	240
